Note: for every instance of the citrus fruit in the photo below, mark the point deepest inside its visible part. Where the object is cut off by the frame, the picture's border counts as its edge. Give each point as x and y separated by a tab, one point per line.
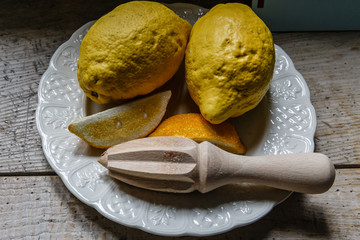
131	51
122	123
195	127
229	61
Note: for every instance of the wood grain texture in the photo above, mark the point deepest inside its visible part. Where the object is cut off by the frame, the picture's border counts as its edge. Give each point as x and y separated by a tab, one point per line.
35	204
42	207
30	32
190	166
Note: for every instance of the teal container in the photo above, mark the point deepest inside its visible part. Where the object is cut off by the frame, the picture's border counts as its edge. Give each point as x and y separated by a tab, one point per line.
309	15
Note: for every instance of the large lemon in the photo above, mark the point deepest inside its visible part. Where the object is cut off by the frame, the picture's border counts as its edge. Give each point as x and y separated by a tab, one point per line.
229	61
131	51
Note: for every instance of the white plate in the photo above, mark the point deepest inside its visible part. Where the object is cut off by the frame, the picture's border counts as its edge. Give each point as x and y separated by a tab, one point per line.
284	122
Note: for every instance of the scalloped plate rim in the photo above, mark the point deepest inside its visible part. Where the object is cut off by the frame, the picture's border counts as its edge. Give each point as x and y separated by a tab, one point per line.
96	204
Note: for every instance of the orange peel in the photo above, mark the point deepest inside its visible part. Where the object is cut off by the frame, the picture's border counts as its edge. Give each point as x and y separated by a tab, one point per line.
197	128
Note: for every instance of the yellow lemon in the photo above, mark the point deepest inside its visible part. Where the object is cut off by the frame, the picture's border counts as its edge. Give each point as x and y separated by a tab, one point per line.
122	123
131	51
194	126
229	61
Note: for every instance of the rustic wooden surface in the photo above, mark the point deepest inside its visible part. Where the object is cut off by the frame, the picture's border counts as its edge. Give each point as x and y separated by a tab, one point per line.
34	202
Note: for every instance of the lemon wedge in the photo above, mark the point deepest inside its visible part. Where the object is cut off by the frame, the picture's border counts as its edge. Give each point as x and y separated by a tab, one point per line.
119	124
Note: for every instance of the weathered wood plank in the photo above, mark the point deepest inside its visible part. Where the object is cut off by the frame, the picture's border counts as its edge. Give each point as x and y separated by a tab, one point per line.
42	207
30	32
21	69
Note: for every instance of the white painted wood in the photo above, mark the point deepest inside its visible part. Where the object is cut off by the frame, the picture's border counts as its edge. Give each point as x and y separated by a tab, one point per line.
153	163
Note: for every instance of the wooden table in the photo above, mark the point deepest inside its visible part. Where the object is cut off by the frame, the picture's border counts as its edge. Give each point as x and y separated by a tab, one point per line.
34	202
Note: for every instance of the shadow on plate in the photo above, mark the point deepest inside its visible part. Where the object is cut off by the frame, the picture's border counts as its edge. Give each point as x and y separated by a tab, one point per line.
251	126
223	195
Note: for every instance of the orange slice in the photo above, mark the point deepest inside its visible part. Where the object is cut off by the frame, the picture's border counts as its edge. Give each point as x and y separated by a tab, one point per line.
122	123
195	127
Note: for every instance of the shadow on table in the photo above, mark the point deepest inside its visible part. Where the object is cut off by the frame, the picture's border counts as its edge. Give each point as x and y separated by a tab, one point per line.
296	216
292	216
289	217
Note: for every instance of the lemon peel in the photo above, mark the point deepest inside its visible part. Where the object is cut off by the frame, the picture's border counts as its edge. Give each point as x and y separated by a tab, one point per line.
131	51
229	61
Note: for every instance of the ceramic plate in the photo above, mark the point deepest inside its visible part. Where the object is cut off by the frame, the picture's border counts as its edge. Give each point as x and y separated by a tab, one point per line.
284	122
